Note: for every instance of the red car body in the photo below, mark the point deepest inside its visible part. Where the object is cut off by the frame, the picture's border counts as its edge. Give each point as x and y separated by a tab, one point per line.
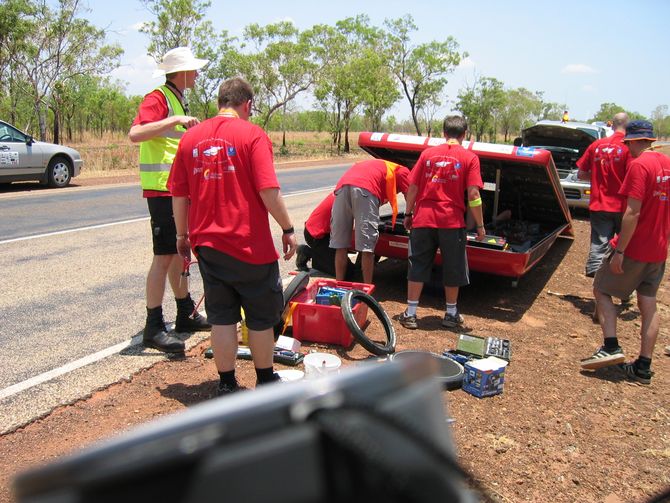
523	180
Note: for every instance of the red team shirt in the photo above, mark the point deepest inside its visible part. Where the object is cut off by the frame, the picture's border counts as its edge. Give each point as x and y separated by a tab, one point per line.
371	176
152	109
648	180
318	222
608	157
442	174
221	165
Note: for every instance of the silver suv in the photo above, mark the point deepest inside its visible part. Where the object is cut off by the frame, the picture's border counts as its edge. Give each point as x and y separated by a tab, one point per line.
566	141
22	158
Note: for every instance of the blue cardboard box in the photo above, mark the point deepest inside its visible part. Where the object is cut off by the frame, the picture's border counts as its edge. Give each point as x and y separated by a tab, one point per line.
485	377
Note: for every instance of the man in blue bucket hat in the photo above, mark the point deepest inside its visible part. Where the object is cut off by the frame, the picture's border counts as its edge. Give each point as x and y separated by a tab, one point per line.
636	261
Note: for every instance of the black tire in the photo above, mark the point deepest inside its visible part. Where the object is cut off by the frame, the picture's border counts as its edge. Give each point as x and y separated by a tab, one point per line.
297	285
359	335
451	372
59	172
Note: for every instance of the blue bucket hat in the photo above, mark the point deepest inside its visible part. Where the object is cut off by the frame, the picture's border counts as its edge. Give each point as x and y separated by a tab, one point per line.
639	130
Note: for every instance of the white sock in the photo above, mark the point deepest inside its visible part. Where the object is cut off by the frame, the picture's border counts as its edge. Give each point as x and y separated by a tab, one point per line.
451	309
411	307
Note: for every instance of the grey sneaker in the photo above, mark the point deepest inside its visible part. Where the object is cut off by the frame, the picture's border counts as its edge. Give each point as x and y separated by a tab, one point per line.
408	321
635	374
602	358
452	321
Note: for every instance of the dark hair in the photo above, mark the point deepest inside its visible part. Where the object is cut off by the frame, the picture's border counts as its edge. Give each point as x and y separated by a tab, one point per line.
454	126
233	92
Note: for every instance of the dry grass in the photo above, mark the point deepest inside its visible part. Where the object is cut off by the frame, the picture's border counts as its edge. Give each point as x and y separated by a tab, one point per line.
114	153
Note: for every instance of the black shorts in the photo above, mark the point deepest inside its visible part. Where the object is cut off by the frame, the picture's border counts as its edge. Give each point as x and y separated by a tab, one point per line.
423	244
163	229
230	284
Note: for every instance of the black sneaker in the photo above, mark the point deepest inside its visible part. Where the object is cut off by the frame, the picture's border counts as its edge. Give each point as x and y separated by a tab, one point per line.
452	320
603	358
163	341
635	374
408	321
275	377
227	389
302	256
197	323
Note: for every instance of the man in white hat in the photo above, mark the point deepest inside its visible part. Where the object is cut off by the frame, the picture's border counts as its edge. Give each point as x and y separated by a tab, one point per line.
161	120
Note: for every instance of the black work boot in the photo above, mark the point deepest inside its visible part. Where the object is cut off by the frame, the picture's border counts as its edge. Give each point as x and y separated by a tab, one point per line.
156	335
186	323
303	255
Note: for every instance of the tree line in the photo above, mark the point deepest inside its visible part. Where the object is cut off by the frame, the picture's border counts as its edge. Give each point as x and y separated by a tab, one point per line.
53	63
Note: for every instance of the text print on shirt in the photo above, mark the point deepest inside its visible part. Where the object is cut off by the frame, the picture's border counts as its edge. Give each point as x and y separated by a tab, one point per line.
442	169
213	158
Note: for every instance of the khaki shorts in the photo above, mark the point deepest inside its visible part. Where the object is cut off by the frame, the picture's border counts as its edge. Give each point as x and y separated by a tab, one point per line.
354	209
645	277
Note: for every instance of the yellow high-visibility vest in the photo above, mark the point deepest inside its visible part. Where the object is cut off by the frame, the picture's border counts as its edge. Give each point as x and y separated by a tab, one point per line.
157	154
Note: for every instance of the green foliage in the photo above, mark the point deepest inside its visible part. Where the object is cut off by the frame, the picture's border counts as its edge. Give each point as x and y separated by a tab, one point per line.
175	25
421	70
521	108
606	112
482	104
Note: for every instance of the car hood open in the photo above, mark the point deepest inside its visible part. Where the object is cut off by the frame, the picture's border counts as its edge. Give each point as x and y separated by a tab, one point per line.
556	136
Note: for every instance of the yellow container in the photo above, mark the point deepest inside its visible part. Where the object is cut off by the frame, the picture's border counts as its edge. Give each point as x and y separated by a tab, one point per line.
244	330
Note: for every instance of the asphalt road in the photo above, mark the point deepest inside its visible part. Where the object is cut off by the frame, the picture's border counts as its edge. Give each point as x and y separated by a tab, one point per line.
74	263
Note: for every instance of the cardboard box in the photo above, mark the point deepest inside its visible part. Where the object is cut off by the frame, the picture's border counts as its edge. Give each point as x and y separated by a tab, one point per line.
485	377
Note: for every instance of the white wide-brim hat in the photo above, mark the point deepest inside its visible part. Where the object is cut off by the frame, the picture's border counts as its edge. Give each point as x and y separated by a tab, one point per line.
180	59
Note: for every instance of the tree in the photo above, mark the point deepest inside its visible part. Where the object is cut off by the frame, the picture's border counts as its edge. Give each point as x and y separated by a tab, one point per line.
606	112
661	121
552	111
520	109
58	47
480	104
422	69
279	69
176	24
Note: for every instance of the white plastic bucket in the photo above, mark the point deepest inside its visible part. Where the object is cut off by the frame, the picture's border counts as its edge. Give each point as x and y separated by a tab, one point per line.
321	364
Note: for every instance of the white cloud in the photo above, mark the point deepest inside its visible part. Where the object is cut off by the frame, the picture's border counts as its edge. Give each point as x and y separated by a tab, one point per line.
578	68
137	26
137	73
467	63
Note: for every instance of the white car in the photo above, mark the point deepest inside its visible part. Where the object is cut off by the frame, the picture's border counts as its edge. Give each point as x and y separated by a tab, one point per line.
22	158
567	142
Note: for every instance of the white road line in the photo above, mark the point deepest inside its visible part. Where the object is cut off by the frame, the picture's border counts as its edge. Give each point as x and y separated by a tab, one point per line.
81	362
78	229
52	374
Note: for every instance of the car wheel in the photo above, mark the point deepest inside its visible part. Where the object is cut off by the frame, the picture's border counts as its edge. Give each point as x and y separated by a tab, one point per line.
59	172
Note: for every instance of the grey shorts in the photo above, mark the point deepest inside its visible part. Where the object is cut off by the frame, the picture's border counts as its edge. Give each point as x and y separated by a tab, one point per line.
645	277
354	209
230	284
423	244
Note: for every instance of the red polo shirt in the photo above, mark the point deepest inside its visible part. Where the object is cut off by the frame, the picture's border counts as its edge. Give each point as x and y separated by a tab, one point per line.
442	175
221	165
606	159
648	180
318	222
371	176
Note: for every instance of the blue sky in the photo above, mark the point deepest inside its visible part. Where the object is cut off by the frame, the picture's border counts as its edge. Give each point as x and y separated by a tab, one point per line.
581	53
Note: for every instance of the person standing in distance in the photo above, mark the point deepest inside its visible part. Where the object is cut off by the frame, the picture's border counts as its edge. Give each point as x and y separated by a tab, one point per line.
434	214
604	165
637	256
224	185
161	121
